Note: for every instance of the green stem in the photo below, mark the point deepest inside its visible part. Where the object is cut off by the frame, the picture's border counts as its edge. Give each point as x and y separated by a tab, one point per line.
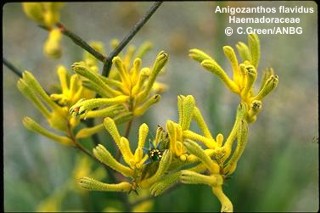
126	135
80	42
123	197
12	68
128	128
130	35
82	149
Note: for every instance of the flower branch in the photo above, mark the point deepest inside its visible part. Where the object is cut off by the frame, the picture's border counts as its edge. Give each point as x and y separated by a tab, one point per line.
80	42
11	67
130	35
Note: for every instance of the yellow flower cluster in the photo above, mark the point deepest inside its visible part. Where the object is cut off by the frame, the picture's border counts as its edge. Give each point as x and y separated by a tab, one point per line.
244	73
179	154
128	92
57	115
47	14
55	107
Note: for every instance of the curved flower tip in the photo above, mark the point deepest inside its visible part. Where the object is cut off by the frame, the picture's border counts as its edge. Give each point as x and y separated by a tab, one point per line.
111	127
213	67
270	84
146	105
198	55
254	45
186	107
161	60
75	109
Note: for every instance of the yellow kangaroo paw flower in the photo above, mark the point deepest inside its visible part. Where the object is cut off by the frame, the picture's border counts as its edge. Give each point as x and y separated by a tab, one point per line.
95	185
103	155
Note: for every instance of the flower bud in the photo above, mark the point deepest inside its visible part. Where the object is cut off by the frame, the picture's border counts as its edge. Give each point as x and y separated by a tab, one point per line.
34	11
254	46
188	104
34	126
111	127
244	52
230	54
94	185
103	155
52	46
269	85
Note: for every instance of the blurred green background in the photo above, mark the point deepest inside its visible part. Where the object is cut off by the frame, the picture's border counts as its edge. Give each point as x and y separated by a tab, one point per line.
279	169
